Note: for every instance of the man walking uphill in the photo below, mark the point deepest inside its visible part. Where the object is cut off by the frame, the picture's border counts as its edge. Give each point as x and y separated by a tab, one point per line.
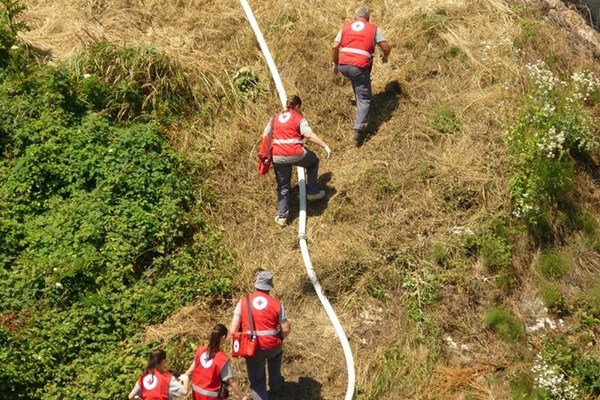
271	327
352	54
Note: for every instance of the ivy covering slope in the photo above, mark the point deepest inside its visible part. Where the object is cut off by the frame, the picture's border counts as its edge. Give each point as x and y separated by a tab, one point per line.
99	228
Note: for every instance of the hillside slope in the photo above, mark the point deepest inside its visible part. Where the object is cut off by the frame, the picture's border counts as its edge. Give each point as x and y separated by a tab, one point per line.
392	245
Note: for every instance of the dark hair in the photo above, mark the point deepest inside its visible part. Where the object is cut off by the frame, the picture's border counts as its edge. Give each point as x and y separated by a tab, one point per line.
154	359
215	339
293	101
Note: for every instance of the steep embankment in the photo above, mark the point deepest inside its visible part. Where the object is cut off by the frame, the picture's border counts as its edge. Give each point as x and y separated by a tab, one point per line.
418	225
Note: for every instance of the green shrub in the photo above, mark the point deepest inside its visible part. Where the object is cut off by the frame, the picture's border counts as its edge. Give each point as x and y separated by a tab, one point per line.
553	298
495	253
501	321
554	264
523	387
552	124
101	230
132	82
445	121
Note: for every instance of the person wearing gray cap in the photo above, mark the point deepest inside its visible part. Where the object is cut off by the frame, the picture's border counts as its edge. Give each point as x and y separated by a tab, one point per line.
352	55
271	327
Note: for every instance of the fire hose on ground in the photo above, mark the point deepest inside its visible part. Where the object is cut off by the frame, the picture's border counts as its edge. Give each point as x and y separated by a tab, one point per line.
302	217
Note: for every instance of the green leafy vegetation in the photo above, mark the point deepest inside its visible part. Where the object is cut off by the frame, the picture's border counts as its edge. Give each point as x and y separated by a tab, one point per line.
552	125
503	322
101	231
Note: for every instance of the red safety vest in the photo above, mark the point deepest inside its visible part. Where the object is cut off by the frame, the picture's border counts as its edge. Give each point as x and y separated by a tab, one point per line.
358	43
287	140
155	385
265	312
206	376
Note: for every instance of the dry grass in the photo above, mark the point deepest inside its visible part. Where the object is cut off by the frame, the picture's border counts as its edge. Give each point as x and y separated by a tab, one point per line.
388	201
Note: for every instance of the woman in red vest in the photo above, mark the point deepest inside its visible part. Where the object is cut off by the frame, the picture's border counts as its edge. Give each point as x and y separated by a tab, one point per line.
211	369
288	130
157	383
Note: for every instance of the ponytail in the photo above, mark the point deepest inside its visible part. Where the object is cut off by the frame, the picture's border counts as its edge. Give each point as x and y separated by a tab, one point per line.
215	339
293	102
154	359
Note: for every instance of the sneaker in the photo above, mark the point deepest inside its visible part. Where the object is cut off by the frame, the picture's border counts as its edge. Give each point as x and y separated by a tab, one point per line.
281	221
316	196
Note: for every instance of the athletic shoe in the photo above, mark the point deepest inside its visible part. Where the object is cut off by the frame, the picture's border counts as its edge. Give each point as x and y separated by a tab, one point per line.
316	196
281	221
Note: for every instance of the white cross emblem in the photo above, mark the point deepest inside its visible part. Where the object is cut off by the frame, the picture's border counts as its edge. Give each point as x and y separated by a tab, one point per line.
150	382
284	117
205	361
358	26
236	345
259	303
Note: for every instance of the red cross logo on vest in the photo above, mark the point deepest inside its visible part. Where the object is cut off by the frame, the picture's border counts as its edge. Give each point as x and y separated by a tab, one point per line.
205	361
150	382
259	303
284	117
358	26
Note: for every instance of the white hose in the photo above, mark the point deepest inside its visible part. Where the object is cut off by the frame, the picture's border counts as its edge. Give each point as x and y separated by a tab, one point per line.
302	217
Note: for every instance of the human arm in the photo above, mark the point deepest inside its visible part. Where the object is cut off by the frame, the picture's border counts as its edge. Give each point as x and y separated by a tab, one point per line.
235	323
236	388
185	377
335	49
335	54
307	132
286	328
176	388
268	129
135	392
385	48
312	137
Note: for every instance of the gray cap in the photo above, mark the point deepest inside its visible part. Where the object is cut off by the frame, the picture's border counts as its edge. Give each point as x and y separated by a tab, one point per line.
264	281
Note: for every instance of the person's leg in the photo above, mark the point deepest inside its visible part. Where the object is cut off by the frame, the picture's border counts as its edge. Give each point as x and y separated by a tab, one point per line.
256	375
361	85
283	175
311	162
363	98
274	357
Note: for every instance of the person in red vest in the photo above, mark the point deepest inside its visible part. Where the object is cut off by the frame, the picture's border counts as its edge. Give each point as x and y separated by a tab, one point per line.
289	129
271	328
352	56
157	383
211	369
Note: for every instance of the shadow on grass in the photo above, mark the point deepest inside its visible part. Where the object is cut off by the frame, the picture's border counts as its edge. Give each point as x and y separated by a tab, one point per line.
313	208
383	105
305	389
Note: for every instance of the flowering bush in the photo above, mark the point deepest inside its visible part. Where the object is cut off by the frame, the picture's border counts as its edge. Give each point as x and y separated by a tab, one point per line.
552	124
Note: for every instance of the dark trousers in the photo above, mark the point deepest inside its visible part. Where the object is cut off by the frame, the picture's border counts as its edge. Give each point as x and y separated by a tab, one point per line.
283	174
361	85
256	372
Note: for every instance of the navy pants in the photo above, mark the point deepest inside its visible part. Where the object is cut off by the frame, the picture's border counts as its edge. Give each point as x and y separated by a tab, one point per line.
283	174
256	372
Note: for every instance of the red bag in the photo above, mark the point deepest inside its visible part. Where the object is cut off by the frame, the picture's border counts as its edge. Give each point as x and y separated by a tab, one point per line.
265	154
243	344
